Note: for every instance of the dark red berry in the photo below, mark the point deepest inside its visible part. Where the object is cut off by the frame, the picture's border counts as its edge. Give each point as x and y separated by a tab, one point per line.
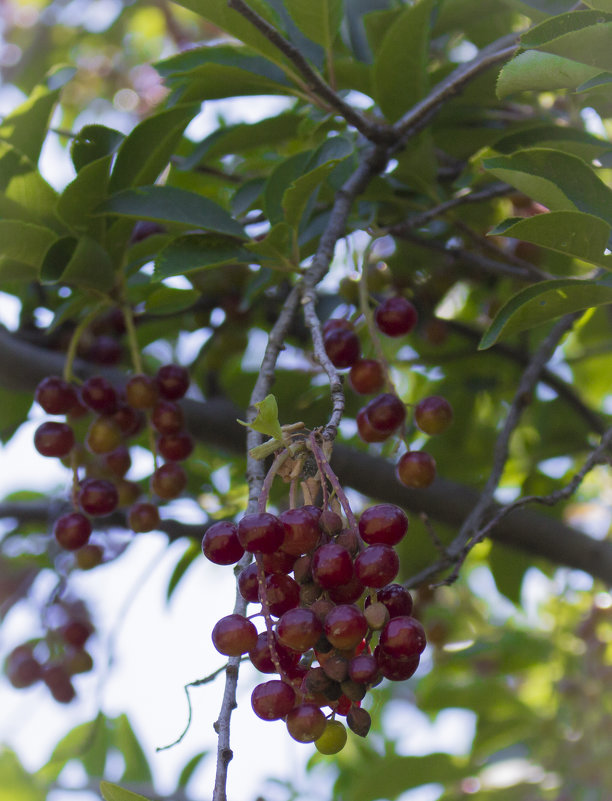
118	462
143	517
98	394
416	469
395	669
57	679
302	532
98	497
220	543
383	524
248	583
175	447
336	324
261	657
55	395
278	562
234	635
260	532
22	669
53	439
342	346
306	723
433	415
332	565
76	632
299	629
403	638
282	592
167	417
129	420
365	429
385	413
363	668
395	316
396	598
72	531
272	700
345	626
172	381
367	376
377	565
168	481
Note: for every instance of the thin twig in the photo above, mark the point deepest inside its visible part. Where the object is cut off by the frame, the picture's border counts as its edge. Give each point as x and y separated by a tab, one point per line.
374	131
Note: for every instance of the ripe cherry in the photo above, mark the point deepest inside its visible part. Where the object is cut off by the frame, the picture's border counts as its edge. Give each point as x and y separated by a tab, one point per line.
168	481
53	439
395	316
377	565
175	447
306	723
403	638
299	629
72	531
302	532
172	381
384	524
234	635
416	469
433	415
345	626
143	517
261	532
220	543
167	417
342	346
366	376
385	413
272	700
331	565
98	497
98	394
55	395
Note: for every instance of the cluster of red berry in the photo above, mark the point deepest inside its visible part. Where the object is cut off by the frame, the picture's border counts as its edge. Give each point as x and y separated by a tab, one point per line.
338	600
65	657
385	414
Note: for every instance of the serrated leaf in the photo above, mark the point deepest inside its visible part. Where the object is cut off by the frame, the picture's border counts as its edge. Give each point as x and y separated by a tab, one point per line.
574	233
93	142
189	556
559	181
400	67
112	792
543	302
169	204
318	19
25	242
192	252
26	126
535	71
147	150
266	421
583	36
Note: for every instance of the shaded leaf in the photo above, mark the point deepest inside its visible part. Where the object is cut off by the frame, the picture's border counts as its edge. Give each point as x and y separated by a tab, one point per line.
543	302
112	792
400	68
168	300
583	36
25	242
145	152
535	71
574	233
559	181
197	251
170	204
279	179
93	142
84	194
81	262
318	19
578	143
509	566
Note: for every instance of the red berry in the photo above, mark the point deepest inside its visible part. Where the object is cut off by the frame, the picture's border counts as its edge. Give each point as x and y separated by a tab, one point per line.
248	583
22	669
53	439
345	626
367	376
55	395
175	447
172	381
383	524
347	593
433	415
377	565
332	565
98	497
272	700
260	532
261	657
278	562
403	638
168	481
385	413
72	531
365	429
220	543
306	723
342	346
299	629
99	395
141	392
234	635
57	679
416	469
336	324
118	462
143	517
396	598
76	632
302	532
395	669
363	668
167	417
282	592
129	420
395	316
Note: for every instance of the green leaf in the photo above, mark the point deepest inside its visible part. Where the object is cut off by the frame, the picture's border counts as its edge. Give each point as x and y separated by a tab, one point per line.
569	140
25	242
274	247
279	179
543	302
509	566
318	19
195	252
81	262
169	204
15	783
583	36
112	792
304	189
400	68
136	766
147	150
26	126
93	142
266	421
168	300
27	195
190	768
558	180
537	72
602	5
190	554
84	194
574	233
234	23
